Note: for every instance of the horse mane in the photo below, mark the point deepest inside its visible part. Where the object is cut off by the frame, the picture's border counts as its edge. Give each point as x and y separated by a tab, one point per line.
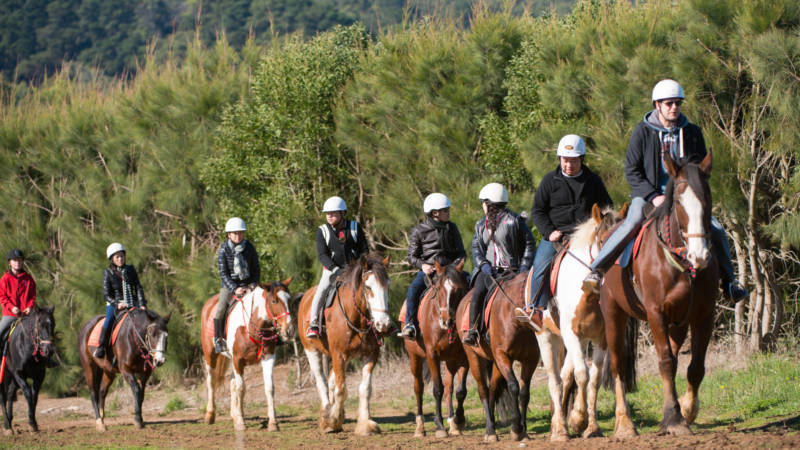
584	233
352	273
697	180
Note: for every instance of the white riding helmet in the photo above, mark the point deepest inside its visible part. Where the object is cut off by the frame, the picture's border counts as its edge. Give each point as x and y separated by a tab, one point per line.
435	201
494	192
235	224
334	204
667	89
571	146
115	247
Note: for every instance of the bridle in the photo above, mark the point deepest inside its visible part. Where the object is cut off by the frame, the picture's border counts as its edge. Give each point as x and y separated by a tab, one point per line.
36	339
262	335
370	323
681	249
144	344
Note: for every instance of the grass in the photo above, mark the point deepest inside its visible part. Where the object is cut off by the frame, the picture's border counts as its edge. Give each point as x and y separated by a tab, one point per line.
175	403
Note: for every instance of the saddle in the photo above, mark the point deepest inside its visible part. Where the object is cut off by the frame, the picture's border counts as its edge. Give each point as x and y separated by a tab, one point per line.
327	296
4	338
483	318
94	336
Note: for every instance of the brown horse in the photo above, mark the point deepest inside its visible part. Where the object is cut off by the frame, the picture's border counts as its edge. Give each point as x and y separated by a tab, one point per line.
354	325
508	340
673	284
139	348
256	322
438	341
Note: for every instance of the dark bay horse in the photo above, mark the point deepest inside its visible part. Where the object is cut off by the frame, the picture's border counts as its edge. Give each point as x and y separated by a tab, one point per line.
673	284
354	326
256	323
438	341
140	347
29	348
508	340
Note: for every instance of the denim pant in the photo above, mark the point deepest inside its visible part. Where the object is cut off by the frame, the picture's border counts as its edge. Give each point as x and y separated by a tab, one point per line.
110	317
616	243
415	290
544	255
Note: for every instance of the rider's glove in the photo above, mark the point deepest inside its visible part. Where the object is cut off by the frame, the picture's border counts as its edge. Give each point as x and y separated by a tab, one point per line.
486	268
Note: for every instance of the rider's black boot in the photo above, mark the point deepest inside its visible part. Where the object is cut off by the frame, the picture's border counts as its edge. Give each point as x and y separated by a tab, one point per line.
101	349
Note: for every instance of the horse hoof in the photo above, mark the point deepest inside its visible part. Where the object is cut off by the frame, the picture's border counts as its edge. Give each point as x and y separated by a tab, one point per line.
519	436
592	432
625	432
272	426
441	433
680	429
490	438
237	426
419	433
559	436
138	425
455	432
578	422
210	418
34	428
367	428
99	425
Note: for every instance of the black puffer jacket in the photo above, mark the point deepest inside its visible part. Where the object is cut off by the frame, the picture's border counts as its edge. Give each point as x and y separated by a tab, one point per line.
643	158
424	245
228	277
513	240
333	253
556	208
113	290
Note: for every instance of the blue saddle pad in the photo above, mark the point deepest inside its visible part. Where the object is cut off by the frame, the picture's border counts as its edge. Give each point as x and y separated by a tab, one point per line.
626	256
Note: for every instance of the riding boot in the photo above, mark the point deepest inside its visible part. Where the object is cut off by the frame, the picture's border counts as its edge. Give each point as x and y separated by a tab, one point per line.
731	287
220	346
101	348
471	337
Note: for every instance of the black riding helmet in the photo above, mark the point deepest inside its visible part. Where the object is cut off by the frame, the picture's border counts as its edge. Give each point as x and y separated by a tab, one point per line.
15	254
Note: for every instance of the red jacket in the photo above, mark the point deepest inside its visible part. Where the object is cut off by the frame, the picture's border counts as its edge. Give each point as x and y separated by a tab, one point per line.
17	290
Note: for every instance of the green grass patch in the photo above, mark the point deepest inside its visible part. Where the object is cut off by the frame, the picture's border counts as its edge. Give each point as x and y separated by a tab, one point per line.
175	403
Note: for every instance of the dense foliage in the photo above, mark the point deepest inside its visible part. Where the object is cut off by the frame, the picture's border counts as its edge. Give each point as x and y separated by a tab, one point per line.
161	161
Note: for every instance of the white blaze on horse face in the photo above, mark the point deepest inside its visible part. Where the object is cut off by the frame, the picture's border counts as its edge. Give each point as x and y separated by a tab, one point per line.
378	300
284	296
697	252
160	356
448	288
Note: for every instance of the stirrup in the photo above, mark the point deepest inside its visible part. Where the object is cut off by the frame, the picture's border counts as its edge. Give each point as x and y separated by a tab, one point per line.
313	331
220	346
471	337
409	331
100	352
591	284
530	315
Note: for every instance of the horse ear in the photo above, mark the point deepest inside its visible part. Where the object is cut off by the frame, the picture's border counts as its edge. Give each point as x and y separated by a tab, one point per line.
50	309
166	319
596	215
669	165
385	261
439	268
623	212
287	281
460	264
705	165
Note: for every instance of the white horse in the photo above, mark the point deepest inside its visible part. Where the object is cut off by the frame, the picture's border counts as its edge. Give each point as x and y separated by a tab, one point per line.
257	321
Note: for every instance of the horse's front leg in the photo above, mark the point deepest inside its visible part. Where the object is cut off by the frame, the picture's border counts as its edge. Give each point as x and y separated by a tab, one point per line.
616	321
366	426
137	389
267	364
672	421
315	362
525	393
336	381
458	421
550	347
237	396
578	417
480	368
6	396
33	399
701	335
438	392
595	372
417	364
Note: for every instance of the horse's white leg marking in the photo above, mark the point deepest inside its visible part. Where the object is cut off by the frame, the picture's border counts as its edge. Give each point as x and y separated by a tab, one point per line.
598	361
314	361
365	426
237	398
211	385
550	346
697	252
575	353
267	364
331	386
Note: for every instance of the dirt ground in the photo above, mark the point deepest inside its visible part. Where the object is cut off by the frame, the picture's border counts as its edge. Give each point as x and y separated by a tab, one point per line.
69	422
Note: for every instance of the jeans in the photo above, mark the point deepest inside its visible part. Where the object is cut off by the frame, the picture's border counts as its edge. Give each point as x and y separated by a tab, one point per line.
544	256
324	282
415	290
110	317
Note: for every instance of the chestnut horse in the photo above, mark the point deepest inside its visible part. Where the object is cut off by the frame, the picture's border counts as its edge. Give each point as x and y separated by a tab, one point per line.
354	325
673	284
139	348
508	340
256	322
438	341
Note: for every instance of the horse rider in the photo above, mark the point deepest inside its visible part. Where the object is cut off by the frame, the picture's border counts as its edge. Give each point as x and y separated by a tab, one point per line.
563	200
502	246
239	271
339	241
17	290
121	289
435	239
665	129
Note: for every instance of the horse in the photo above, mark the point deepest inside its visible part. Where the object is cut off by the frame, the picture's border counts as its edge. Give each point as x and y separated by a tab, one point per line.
355	324
139	347
29	348
257	322
437	341
509	340
673	284
581	321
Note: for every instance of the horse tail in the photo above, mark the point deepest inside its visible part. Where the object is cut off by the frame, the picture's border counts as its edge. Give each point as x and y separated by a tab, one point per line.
630	352
504	405
606	380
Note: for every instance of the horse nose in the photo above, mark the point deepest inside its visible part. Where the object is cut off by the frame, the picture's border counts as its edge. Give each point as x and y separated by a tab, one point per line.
289	332
700	260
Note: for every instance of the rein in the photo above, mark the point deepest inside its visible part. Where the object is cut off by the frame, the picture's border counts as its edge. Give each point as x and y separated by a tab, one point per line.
266	334
144	347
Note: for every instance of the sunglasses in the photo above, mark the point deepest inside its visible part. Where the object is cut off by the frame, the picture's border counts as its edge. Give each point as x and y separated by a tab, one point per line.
671	103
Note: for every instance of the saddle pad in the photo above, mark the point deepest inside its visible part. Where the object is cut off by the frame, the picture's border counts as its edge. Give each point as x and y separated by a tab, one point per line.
632	248
486	309
94	336
402	316
554	270
210	320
